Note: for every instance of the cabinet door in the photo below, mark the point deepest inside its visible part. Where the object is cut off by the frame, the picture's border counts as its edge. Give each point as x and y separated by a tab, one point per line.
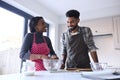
116	31
99	26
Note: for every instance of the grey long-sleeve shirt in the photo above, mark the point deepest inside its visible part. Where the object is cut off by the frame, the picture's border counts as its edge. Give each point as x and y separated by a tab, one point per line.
88	38
27	44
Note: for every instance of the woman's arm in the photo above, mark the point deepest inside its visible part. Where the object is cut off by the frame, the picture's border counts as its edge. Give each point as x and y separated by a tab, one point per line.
52	52
26	46
38	56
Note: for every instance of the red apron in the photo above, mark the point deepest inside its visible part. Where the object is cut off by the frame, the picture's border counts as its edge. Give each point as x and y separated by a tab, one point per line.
40	48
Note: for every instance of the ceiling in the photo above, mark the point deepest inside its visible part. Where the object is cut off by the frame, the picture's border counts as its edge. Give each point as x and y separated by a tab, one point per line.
91	8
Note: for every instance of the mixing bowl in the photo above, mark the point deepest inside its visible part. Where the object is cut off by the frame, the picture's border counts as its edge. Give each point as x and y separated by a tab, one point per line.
98	66
52	64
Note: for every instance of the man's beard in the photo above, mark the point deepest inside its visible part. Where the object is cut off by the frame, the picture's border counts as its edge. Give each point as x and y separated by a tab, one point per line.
72	28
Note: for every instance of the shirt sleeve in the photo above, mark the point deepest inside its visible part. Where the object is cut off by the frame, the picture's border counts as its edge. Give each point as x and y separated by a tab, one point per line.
89	40
26	46
52	52
64	44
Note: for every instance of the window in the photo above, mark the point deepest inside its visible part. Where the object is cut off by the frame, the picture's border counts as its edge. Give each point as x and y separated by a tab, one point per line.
10	29
13	26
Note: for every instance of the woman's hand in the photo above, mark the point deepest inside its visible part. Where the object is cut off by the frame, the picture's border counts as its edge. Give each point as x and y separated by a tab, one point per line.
38	56
44	57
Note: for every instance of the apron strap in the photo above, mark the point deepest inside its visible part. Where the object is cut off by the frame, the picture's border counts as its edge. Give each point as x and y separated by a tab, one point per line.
34	38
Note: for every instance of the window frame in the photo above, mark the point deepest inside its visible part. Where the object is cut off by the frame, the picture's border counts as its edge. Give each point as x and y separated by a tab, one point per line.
21	13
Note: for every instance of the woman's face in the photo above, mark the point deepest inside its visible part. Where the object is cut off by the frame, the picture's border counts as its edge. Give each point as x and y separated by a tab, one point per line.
41	26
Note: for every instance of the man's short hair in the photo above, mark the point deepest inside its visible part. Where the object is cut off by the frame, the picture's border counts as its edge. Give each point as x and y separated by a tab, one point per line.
73	13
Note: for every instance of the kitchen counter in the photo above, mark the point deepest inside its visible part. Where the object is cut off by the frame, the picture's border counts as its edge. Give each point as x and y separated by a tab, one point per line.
63	75
46	75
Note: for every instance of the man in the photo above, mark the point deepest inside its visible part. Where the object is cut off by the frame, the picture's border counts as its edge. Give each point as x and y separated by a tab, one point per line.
77	43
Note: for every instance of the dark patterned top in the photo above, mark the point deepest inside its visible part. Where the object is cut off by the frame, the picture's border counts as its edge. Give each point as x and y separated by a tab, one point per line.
27	44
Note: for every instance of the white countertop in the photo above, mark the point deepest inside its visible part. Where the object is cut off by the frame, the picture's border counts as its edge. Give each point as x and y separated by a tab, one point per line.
45	75
64	75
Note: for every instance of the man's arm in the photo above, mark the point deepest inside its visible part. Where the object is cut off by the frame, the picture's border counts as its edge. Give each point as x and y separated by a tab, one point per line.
64	56
94	56
64	51
91	45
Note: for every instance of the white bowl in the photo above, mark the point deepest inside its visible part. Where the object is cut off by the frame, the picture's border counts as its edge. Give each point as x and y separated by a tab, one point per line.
52	64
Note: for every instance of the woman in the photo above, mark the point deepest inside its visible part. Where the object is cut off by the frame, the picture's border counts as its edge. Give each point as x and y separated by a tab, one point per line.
37	47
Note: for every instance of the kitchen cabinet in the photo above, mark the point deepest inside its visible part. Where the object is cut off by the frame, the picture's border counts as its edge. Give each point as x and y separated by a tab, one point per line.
99	26
116	31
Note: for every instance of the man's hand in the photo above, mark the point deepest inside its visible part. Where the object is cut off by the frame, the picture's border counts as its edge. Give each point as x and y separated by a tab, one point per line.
62	66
